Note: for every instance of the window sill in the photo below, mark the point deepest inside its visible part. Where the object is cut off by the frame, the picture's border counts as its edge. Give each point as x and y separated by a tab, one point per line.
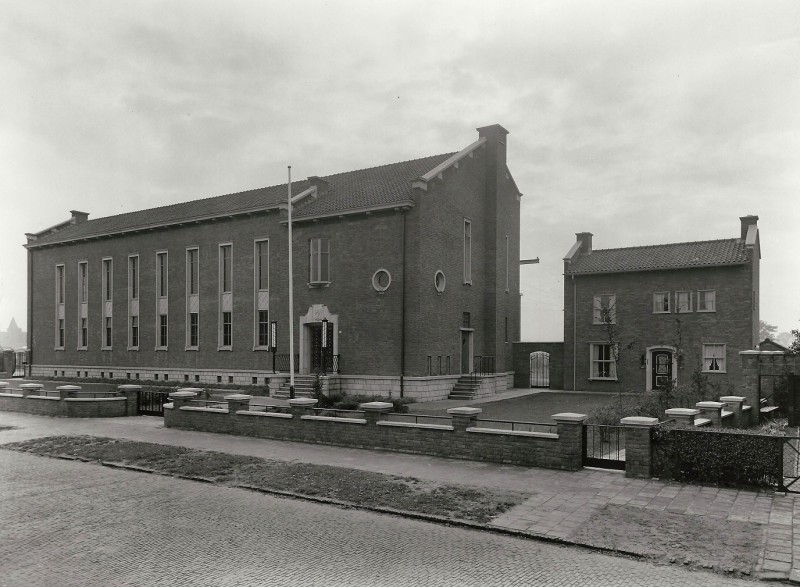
319	284
82	348
161	348
191	348
662	312
58	348
706	311
133	348
603	379
106	348
224	348
714	372
604	323
261	348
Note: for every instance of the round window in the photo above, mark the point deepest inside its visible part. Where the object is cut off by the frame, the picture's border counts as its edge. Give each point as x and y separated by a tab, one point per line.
439	281
381	280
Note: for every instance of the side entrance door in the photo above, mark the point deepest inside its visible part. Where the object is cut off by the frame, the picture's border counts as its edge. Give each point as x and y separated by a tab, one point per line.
321	357
662	369
466	352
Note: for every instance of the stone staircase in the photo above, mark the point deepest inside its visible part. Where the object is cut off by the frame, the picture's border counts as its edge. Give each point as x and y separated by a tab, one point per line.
303	387
466	388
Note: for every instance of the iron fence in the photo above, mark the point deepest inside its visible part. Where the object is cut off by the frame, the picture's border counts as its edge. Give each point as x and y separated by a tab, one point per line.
281	363
484	365
604	446
516	426
337	413
419	419
210	403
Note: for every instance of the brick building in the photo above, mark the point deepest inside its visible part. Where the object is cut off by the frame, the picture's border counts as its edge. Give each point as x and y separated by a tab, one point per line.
411	268
669	310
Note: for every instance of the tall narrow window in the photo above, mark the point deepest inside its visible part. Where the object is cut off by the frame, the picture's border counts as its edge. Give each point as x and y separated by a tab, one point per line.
192	298
83	305
467	251
162	300
108	304
661	302
59	314
602	363
714	358
261	294
225	296
320	261
683	301
133	302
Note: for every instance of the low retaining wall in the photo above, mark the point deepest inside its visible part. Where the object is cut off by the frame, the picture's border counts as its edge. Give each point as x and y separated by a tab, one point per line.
458	437
68	401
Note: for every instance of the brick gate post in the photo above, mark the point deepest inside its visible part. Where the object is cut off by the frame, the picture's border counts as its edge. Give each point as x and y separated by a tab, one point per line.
463	418
569	427
131	394
373	411
638	446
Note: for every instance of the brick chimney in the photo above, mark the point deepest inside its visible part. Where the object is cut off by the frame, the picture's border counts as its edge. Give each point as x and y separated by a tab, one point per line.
319	183
585	238
747	222
78	217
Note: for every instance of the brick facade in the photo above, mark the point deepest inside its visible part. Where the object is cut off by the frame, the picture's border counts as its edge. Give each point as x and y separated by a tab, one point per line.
407	331
639	331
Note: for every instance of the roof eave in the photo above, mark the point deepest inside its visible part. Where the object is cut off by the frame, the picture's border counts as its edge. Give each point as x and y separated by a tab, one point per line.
641	269
422	181
401	205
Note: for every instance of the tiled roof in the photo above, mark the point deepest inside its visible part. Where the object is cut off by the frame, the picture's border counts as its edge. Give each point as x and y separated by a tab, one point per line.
354	190
655	257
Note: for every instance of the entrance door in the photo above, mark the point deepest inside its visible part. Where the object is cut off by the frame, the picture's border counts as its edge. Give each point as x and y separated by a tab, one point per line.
321	358
466	352
662	369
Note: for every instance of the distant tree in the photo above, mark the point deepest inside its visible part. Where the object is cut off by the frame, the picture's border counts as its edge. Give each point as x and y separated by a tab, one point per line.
766	330
795	346
784	338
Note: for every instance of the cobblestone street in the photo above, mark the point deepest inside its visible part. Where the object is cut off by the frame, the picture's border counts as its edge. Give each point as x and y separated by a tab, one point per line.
67	523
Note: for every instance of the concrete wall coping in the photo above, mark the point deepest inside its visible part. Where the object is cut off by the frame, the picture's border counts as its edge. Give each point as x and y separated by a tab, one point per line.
702	422
464	411
747	408
203	409
47	397
711	405
264	414
129	387
69	387
3	384
762	353
732	398
513	433
183	393
94	399
31	386
682	412
237	397
303	401
414	425
335	419
197	390
10	394
639	421
569	417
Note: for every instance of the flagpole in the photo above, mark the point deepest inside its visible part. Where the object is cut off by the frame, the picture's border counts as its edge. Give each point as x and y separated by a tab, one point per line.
291	293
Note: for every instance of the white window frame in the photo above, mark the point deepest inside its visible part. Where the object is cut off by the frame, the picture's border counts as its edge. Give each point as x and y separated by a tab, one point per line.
192	268
162	298
107	298
134	330
467	251
678	308
708	354
712	297
659	298
597	307
260	294
60	300
594	359
317	259
225	294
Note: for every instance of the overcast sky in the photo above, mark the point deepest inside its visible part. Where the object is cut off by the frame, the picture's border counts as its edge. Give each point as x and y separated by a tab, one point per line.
641	122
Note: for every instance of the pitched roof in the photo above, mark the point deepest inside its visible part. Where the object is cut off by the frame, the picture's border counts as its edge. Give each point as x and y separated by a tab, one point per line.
350	191
657	257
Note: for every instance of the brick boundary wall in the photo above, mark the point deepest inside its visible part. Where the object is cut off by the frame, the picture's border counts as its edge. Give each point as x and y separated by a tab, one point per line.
30	399
460	438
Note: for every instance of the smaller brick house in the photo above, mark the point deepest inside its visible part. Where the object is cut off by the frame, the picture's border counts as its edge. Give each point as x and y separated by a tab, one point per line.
639	317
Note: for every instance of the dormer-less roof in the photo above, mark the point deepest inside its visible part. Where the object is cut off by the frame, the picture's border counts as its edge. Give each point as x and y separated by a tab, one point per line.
374	188
660	257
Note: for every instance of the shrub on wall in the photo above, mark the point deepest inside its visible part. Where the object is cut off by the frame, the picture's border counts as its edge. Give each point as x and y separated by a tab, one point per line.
717	458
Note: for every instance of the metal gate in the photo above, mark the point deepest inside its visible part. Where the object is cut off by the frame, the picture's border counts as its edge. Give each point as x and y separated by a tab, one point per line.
604	446
540	369
793	398
791	465
151	402
20	363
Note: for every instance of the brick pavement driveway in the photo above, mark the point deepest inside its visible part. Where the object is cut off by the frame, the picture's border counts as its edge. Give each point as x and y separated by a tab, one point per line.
67	523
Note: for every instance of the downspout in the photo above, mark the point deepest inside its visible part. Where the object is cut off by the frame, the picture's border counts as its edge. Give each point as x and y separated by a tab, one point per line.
30	313
403	310
574	331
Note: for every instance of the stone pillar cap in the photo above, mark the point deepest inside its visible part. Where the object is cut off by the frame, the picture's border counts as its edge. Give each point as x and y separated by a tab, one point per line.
712	405
128	386
3	383
237	397
732	398
375	406
69	387
303	401
192	389
181	393
464	411
32	385
569	417
638	421
682	412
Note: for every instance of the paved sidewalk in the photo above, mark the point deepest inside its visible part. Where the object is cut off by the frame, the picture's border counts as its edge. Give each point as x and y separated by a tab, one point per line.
561	500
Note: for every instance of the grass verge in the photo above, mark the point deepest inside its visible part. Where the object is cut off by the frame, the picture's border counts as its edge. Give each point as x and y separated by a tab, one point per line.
360	488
